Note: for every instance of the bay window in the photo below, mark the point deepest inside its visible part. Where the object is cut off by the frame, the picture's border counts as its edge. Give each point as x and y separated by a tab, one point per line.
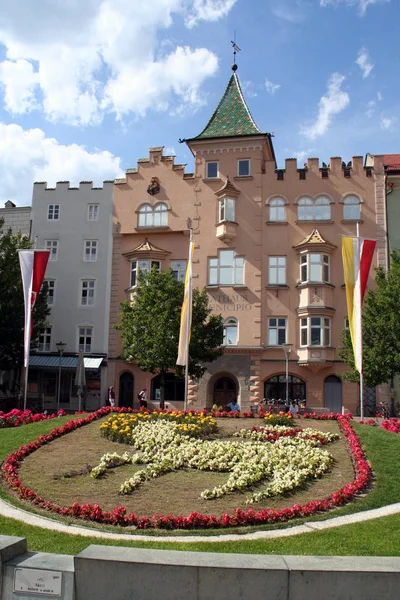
314	267
315	331
226	209
145	266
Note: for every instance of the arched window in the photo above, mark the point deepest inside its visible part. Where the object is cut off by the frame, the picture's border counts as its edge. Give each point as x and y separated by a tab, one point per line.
322	209
305	211
230	332
275	388
277	211
160	218
351	209
146	216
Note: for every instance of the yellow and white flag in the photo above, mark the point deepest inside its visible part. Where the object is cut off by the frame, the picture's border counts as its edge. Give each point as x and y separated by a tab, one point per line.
186	313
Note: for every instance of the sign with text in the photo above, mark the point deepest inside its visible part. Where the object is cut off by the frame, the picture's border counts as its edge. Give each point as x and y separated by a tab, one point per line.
35	581
232	303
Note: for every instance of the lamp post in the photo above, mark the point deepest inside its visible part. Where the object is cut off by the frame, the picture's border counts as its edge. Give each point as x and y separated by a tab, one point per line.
60	347
287	349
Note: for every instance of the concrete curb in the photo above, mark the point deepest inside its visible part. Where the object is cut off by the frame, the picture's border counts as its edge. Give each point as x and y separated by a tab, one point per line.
9	511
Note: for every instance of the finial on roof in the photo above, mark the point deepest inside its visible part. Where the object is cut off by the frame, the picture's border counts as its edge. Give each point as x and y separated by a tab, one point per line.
235	49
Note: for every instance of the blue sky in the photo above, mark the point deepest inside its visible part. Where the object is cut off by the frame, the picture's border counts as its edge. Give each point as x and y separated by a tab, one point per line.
86	86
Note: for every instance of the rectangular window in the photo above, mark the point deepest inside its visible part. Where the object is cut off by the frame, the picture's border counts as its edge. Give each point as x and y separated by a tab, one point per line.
53	213
315	268
85	339
277	270
227	269
276	331
45	340
212	170
87	292
179	269
90	251
93	212
226	209
244	167
51	291
315	331
52	245
145	266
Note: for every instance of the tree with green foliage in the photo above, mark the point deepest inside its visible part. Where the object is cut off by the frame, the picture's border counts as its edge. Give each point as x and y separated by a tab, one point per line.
381	329
12	301
150	327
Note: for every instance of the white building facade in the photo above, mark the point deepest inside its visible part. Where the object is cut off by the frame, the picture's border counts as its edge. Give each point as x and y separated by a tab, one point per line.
75	224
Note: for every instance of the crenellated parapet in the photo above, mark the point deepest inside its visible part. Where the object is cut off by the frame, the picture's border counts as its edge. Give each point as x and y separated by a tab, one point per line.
66	185
337	167
155	158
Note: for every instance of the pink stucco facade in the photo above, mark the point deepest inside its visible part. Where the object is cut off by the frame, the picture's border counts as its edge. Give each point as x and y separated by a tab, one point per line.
260	231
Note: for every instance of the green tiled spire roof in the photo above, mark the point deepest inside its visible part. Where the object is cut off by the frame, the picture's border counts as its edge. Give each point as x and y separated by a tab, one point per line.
232	116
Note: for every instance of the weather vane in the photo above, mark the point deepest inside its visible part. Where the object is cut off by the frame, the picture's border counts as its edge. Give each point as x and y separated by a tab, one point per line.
235	49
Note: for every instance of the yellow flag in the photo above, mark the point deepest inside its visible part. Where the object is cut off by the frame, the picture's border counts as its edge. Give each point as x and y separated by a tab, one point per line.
186	313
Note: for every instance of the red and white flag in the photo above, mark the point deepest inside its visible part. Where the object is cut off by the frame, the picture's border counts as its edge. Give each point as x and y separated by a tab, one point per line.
357	256
33	265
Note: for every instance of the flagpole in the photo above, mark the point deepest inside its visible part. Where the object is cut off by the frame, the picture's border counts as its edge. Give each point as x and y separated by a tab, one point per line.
361	338
188	322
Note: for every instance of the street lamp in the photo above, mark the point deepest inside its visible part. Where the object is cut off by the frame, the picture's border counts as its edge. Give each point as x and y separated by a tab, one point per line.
287	349
60	347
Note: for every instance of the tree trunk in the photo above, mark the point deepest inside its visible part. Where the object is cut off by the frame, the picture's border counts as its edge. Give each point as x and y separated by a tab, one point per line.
162	388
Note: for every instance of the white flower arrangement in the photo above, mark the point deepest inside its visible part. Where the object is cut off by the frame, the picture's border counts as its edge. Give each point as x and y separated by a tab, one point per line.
281	466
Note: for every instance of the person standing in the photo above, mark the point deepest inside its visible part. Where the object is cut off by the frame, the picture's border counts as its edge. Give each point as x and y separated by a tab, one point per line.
111	396
142	397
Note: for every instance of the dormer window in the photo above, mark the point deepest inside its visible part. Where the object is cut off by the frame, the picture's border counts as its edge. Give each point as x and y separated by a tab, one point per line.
244	167
226	209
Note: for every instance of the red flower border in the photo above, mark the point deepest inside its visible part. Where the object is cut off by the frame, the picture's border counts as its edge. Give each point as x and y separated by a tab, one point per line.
119	516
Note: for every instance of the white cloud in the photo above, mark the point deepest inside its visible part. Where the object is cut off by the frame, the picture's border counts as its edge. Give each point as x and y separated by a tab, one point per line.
19	81
388	122
169	151
28	155
364	62
370	109
362	5
248	88
75	67
331	104
208	10
379	96
292	11
272	87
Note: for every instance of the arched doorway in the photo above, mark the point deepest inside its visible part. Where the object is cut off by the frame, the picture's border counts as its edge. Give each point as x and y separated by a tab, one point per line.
174	387
125	397
224	392
333	394
275	388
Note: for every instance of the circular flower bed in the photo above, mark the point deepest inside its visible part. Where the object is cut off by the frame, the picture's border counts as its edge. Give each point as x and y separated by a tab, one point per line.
119	516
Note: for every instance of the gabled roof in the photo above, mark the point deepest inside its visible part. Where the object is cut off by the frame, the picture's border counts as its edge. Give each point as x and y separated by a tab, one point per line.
231	117
314	239
227	188
147	250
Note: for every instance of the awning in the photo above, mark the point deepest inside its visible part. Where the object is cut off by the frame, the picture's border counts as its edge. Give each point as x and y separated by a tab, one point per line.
67	362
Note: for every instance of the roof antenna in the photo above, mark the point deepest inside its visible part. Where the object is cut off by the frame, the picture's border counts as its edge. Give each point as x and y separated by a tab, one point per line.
235	49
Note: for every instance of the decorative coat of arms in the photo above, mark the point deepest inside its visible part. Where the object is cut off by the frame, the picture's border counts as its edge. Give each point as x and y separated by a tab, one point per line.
154	186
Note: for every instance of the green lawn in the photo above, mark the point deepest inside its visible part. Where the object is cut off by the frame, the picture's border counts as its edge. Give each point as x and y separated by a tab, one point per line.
376	537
